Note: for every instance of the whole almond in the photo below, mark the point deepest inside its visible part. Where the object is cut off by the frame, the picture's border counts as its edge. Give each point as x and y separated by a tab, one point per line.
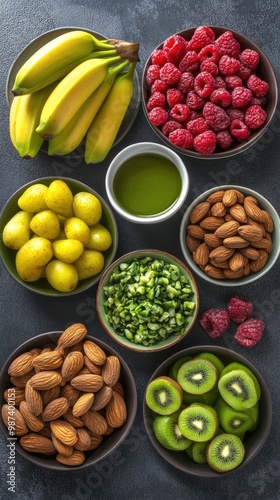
72	335
87	382
34	399
45	380
16	394
95	441
92	367
84	440
221	264
12	417
215	197
192	243
238	213
252	210
118	387
212	240
79	346
21	365
196	231
214	272
22	381
75	459
201	255
64	431
199	211
221	253
264	243
95	422
233	275
60	447
34	423
237	261
76	422
48	361
230	197
258	264
111	370
72	364
116	411
250	233
260	225
235	242
267	221
211	223
83	404
250	252
50	395
70	393
218	209
94	352
227	229
34	443
102	397
55	409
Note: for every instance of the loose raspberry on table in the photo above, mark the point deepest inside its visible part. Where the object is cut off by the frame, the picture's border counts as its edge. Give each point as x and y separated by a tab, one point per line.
203	35
182	138
239	309
169	73
180	112
220	82
241	96
174	48
205	143
209	66
186	82
204	84
174	96
194	101
228	44
221	97
215	116
158	116
170	126
210	53
215	322
259	87
228	65
239	130
190	62
197	126
255	116
159	86
224	139
244	72
158	57
152	73
233	81
250	58
249	332
157	99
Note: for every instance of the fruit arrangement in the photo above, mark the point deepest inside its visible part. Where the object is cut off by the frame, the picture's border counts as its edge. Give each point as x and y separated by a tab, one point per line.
57	236
204	408
66	399
81	95
205	94
230	235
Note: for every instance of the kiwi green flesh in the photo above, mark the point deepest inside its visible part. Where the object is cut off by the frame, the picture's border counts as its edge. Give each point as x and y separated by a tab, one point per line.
167	432
239	366
174	368
163	396
197	376
233	421
199	452
214	359
225	452
197	423
238	389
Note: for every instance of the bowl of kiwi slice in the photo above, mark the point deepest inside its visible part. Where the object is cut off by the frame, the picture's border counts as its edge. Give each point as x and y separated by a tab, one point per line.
207	410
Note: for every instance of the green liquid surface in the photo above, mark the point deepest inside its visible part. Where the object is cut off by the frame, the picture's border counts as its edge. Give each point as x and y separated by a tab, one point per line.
147	185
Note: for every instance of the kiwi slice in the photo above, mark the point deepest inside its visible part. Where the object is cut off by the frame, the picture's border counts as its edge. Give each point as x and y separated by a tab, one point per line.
239	366
253	412
198	423
214	359
174	368
225	452
233	421
199	452
237	388
164	395
168	434
197	376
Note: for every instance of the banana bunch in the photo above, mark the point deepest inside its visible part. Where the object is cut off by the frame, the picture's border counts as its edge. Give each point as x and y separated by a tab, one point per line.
68	91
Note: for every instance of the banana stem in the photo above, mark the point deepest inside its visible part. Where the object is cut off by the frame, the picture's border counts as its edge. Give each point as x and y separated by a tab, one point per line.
104	53
127	50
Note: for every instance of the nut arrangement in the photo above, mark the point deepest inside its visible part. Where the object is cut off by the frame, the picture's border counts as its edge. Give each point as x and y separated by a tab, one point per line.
66	398
229	235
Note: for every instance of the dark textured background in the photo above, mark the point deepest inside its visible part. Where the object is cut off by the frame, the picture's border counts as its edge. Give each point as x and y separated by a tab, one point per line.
136	471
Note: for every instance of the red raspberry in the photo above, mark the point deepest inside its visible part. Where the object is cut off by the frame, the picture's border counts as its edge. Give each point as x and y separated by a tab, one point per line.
203	35
174	96
259	87
233	81
209	52
224	139
221	97
182	138
159	86
174	48
158	116
180	112
239	309
152	73
228	65
157	99
194	115
262	101
216	116
158	57
239	130
197	126
215	322
170	126
228	44
205	143
250	58
169	73
204	84
241	97
220	83
186	82
249	332
209	66
235	114
255	116
194	101
244	72
190	62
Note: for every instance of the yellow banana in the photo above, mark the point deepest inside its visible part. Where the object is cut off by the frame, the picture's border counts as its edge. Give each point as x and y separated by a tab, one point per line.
74	132
25	113
105	126
69	95
55	59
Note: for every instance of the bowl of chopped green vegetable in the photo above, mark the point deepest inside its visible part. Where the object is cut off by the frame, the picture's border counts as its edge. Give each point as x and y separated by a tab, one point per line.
147	300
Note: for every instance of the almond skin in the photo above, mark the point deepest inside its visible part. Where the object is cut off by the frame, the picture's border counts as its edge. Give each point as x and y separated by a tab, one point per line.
64	431
34	423
55	409
227	229
92	367
235	242
111	370
212	240
230	197
83	404
238	261
221	253
250	252
201	255
211	223
252	210
238	213
250	233
72	335
94	352
267	221
95	441
192	243
72	364
70	393
75	459
258	264
76	422
22	381
13	417
18	394
34	399
48	361
233	275
95	422
84	440
215	197
50	395
87	382
21	365
196	231
45	380
214	272
60	447
116	412
34	443
199	212
218	209
101	398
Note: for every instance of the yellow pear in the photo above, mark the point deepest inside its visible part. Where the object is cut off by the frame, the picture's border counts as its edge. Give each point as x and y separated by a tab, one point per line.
100	238
77	229
45	224
90	263
32	258
61	276
33	198
67	250
17	230
87	207
59	198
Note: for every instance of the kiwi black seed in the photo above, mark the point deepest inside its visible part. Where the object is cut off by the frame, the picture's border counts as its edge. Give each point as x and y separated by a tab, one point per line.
198	423
174	368
168	434
238	389
225	452
197	376
164	395
239	366
233	421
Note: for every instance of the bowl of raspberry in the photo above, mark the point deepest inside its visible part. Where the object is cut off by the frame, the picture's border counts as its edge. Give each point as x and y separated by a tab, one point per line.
230	235
209	92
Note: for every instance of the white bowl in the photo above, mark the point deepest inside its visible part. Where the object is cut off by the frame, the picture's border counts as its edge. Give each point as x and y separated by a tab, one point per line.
153	149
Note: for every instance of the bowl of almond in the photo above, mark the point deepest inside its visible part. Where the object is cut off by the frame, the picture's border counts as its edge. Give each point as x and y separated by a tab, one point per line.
68	400
229	235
